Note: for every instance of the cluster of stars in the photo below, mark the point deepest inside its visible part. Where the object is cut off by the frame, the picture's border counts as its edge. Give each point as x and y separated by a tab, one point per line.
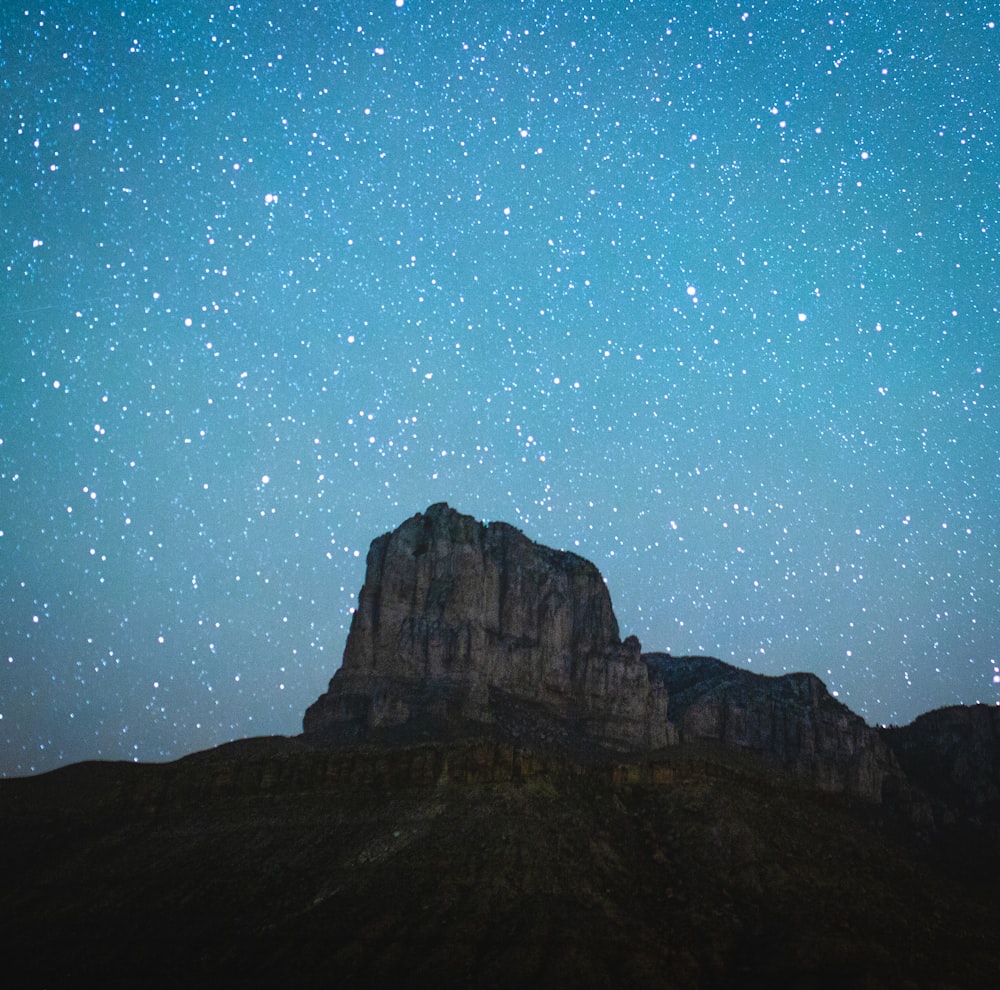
703	295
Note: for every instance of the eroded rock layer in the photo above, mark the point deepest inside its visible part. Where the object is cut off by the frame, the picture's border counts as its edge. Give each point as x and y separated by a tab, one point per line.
464	627
459	621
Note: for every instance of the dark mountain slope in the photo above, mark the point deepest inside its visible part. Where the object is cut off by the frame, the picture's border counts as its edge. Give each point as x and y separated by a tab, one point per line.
497	791
470	864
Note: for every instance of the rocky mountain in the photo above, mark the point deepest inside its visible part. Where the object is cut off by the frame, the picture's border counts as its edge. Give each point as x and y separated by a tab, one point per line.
951	761
470	629
497	791
462	622
462	625
792	721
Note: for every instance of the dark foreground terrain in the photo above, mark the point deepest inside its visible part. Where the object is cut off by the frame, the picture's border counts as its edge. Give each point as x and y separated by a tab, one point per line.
497	791
272	862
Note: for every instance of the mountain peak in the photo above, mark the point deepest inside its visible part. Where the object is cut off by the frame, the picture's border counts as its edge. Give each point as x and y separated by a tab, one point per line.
462	623
465	628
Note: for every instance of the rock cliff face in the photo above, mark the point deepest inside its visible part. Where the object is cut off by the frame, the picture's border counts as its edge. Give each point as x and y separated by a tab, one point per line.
463	627
792	719
459	621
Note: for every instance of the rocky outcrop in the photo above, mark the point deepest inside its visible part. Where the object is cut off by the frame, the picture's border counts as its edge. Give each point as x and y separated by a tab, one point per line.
464	628
792	720
510	862
953	756
462	622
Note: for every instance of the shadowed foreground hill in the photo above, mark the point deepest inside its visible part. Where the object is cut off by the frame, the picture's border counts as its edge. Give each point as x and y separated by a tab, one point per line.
472	864
497	791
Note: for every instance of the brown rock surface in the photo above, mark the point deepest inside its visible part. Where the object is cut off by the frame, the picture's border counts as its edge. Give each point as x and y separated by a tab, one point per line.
462	622
791	719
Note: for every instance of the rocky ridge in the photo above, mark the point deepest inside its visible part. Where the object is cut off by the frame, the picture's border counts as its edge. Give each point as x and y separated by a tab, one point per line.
497	791
468	626
951	761
460	622
791	720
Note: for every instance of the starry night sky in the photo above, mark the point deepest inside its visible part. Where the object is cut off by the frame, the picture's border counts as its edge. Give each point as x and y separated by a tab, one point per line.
706	293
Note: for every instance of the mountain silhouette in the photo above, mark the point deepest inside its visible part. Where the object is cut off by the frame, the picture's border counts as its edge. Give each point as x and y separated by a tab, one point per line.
496	790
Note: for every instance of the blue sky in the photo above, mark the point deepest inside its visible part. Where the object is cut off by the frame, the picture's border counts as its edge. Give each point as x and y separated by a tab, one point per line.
707	297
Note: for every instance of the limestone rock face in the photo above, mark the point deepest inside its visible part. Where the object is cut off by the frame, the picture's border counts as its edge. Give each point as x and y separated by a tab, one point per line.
793	719
459	620
464	627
